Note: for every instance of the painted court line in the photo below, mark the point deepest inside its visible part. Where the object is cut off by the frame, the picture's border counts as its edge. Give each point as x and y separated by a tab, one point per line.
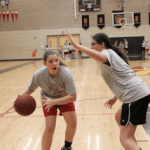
77	101
43	115
6	111
85	72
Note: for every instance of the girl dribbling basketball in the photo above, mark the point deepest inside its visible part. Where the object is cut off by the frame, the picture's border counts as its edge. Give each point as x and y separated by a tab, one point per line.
57	92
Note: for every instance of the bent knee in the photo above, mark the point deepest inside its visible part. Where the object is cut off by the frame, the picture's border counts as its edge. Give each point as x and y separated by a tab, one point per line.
50	128
72	124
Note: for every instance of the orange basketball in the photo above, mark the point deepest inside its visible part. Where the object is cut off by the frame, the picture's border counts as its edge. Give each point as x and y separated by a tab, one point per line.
25	105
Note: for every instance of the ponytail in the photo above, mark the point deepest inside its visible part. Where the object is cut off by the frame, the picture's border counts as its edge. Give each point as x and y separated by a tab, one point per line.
120	53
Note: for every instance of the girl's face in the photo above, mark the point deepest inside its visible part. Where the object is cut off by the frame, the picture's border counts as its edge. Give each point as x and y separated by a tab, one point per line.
52	64
96	46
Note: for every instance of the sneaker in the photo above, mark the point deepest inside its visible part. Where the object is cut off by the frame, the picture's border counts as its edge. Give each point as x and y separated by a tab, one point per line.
69	148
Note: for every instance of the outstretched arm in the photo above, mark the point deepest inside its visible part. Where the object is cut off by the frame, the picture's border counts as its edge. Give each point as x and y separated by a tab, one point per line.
88	51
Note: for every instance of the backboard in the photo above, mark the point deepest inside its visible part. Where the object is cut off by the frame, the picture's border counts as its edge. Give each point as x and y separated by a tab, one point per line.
116	17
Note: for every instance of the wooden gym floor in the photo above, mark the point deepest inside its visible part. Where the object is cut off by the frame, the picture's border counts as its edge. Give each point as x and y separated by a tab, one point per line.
96	128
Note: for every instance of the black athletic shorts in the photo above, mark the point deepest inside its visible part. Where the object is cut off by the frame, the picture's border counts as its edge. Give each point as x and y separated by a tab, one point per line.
143	48
80	52
70	51
65	53
135	113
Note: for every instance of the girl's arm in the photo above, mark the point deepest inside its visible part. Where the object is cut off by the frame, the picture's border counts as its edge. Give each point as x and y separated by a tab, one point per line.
115	98
90	52
27	92
60	101
65	100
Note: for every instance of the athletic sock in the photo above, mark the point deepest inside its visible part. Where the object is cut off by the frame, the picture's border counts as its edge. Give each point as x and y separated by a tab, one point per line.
67	144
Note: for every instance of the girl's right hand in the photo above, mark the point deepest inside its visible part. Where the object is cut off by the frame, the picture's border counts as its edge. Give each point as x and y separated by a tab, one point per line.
110	103
73	42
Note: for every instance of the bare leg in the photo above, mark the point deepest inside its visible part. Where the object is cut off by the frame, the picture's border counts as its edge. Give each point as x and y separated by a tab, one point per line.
71	121
127	137
50	122
118	119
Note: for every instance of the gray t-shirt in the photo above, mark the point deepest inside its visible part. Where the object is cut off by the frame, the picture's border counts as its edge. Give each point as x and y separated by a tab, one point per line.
59	86
120	78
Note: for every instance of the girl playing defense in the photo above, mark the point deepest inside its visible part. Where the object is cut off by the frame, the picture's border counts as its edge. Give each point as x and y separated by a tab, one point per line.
57	92
130	89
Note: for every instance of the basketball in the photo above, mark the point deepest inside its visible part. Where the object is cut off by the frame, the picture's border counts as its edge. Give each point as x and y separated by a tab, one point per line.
25	105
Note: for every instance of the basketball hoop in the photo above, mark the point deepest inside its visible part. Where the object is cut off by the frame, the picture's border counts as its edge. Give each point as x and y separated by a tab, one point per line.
123	25
123	22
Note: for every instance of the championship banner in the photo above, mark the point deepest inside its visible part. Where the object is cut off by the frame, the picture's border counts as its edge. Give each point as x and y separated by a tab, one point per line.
0	15
137	19
85	21
16	14
101	21
7	14
7	3
12	15
3	15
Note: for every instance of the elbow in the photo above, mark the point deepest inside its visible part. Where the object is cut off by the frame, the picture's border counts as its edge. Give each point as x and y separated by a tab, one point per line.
74	97
103	61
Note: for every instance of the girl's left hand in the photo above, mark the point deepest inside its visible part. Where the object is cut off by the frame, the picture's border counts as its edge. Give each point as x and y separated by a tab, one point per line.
49	102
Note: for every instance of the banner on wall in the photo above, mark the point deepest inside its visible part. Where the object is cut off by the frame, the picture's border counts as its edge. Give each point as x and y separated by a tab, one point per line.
85	21
3	15
137	19
7	14
7	3
16	14
101	21
2	3
12	15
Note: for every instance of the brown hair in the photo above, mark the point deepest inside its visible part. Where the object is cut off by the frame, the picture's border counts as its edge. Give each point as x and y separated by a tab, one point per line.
51	52
102	37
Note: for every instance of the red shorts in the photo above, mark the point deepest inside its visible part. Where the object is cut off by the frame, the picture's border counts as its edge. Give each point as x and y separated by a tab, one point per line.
147	49
62	108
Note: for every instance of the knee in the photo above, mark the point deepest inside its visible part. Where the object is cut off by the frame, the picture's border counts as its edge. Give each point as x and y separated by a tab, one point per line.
73	124
50	128
124	137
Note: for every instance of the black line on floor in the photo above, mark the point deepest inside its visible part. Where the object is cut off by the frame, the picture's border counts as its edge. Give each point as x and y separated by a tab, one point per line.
16	67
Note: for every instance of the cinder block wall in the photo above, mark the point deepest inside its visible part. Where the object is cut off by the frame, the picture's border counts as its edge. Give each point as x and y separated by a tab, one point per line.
38	18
